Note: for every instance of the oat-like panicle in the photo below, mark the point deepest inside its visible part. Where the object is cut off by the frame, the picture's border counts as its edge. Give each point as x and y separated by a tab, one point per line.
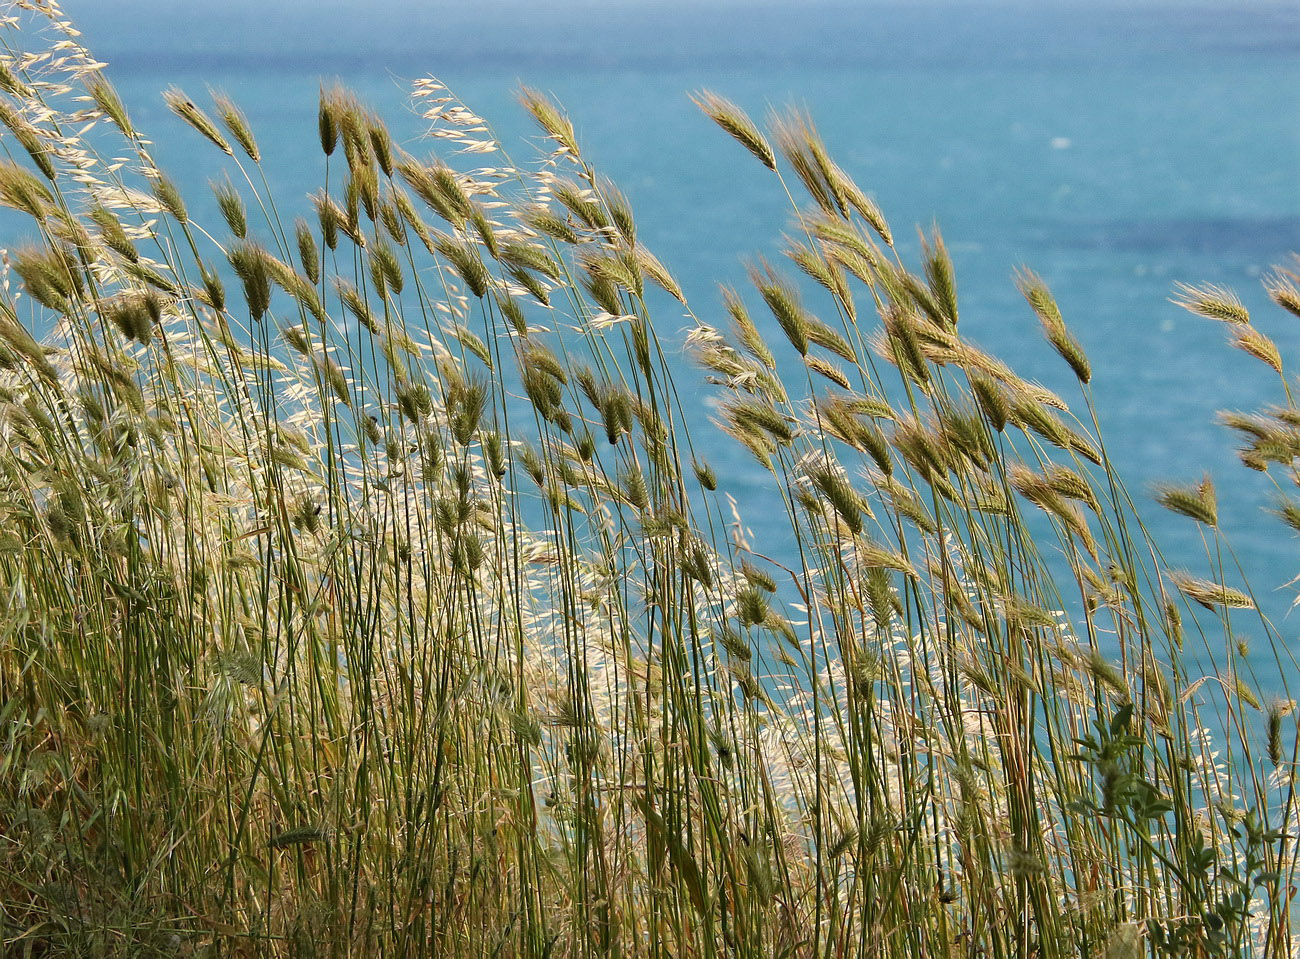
737	123
184	107
1211	301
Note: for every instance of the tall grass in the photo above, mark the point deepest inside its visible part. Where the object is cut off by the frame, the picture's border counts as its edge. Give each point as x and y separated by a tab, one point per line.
365	595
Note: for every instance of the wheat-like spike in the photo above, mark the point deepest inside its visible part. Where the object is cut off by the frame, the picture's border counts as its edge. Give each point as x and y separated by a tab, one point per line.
1208	593
829	370
798	142
939	272
27	135
231	207
181	105
1196	502
864	205
1249	340
783	302
550	118
233	119
827	338
1071	484
1287	509
1211	301
650	265
381	143
328	118
22	191
737	124
547	222
1283	290
308	253
1058	335
110	103
1032	415
249	262
385	266
901	346
580	202
825	271
164	190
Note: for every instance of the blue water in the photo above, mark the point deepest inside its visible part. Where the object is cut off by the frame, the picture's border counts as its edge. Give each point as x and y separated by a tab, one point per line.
1115	148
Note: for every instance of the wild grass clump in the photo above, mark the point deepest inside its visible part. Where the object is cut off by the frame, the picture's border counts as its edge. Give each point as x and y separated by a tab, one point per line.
365	595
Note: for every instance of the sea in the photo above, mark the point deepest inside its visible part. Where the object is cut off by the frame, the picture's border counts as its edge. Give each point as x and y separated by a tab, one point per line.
1115	148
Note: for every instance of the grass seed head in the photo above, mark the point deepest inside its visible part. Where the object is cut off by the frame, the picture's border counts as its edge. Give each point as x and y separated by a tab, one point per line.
184	107
737	124
1197	502
1284	289
233	119
1212	302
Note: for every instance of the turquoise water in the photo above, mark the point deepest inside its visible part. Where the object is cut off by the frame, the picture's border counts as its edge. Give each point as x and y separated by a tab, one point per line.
1116	149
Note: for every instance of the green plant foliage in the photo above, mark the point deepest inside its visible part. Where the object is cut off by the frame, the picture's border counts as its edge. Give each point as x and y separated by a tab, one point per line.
387	609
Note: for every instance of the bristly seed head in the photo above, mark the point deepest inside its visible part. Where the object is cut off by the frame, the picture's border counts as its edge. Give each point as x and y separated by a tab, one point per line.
1197	502
184	107
1212	302
737	124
